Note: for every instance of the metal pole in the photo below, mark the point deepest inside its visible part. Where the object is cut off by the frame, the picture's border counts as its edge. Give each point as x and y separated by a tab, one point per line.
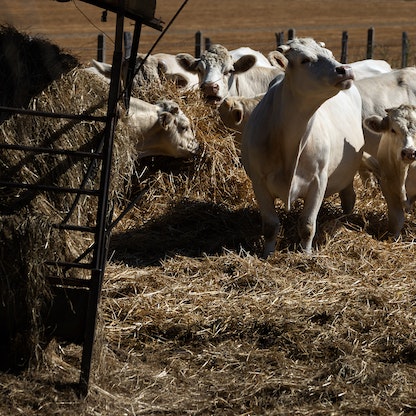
101	235
132	63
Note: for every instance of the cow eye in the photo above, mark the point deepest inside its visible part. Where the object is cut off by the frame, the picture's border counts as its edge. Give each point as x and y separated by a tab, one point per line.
305	61
393	131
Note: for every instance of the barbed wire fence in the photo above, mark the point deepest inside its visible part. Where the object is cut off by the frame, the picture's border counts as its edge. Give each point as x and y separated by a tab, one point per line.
396	50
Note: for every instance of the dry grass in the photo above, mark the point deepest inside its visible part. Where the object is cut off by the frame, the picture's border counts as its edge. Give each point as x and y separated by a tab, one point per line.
193	322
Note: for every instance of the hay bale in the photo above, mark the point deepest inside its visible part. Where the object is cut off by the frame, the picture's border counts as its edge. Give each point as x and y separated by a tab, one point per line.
27	66
27	212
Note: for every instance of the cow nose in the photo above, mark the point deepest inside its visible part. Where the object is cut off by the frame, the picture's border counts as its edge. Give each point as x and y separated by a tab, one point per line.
408	154
210	88
344	70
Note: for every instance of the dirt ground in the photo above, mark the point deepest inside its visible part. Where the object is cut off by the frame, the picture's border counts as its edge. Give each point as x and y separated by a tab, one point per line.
76	24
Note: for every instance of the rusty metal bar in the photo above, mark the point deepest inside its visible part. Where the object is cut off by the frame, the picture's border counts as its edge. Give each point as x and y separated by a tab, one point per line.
102	235
52	188
68	264
12	110
45	150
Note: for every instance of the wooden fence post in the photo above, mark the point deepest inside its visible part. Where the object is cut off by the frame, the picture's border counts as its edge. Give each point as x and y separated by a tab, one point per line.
291	33
198	44
101	48
405	49
370	43
344	47
280	38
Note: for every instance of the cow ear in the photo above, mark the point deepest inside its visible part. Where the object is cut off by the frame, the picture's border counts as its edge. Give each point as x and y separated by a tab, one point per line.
284	49
237	114
187	61
244	63
165	119
277	59
162	66
376	123
173	108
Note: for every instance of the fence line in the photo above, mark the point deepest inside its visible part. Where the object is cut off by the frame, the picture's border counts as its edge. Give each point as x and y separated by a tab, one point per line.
291	33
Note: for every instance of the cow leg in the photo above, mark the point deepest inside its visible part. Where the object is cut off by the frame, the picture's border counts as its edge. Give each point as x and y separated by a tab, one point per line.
347	196
269	217
312	205
395	212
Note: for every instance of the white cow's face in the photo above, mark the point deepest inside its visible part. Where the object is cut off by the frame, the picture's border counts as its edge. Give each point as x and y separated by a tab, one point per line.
175	136
399	131
312	69
216	69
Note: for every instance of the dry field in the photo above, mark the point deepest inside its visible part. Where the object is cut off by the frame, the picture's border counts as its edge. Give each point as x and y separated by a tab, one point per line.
75	25
192	322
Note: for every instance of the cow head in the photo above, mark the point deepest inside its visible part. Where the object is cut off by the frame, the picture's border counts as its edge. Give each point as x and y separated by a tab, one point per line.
398	129
313	70
171	134
216	69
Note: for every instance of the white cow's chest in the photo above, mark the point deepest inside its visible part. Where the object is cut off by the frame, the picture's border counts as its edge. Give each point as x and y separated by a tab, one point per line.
293	181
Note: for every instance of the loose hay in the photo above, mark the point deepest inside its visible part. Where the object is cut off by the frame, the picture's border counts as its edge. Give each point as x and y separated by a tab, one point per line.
193	322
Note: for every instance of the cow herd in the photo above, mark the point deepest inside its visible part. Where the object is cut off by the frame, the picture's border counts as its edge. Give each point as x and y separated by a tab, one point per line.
305	124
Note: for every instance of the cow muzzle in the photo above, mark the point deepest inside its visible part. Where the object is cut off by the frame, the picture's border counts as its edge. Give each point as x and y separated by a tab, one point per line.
345	76
408	154
210	91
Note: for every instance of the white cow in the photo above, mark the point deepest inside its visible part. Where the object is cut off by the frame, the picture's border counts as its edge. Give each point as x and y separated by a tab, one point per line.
384	91
162	129
261	60
396	154
235	111
304	139
369	68
155	69
221	76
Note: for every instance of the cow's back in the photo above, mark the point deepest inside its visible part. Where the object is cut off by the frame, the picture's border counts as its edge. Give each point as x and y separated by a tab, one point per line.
253	82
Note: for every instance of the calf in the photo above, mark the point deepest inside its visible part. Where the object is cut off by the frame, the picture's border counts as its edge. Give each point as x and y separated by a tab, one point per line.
304	139
396	153
162	129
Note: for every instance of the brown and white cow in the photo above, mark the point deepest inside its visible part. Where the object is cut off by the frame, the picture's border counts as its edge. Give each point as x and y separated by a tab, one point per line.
396	154
221	76
162	129
304	139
